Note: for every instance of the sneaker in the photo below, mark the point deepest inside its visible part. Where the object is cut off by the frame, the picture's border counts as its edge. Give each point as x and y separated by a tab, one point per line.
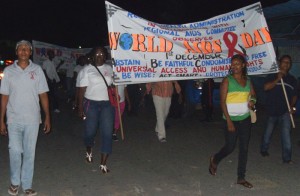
13	190
115	138
57	111
163	140
264	153
89	157
30	192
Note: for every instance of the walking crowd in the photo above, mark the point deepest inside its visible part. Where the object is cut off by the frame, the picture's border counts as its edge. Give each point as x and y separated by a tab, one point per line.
26	85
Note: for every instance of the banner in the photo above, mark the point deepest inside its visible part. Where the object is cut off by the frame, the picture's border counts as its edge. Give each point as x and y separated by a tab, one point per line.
68	55
144	51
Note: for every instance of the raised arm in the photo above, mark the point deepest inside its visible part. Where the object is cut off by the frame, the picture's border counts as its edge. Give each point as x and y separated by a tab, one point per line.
271	84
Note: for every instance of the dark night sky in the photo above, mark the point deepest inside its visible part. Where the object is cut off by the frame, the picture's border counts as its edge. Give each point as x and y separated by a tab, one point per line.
72	23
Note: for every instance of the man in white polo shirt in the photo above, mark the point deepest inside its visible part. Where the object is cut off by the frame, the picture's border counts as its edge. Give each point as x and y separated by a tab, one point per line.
23	86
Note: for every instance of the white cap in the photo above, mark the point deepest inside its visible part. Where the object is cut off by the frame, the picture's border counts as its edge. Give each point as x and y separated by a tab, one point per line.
24	42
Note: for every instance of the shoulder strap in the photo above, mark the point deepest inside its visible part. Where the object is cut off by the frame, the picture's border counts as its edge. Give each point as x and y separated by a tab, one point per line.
101	75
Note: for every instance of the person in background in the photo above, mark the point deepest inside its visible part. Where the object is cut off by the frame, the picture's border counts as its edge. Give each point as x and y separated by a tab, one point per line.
81	63
177	100
235	90
122	90
207	98
52	77
277	109
70	82
94	104
23	87
135	96
162	93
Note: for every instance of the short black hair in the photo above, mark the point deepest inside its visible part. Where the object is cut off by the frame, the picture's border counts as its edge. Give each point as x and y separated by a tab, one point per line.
285	56
243	59
50	52
92	53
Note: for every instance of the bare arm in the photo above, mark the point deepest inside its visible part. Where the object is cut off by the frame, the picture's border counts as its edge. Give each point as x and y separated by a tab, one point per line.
272	84
80	101
148	88
4	101
252	101
177	87
45	105
293	104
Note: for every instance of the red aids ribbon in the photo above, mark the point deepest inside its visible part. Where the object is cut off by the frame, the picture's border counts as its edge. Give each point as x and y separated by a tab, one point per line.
231	43
32	75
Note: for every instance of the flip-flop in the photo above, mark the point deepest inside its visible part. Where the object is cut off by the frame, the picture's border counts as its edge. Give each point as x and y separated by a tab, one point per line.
245	184
13	189
212	166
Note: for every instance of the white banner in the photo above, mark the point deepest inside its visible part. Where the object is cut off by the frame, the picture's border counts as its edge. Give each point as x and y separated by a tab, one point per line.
68	55
145	51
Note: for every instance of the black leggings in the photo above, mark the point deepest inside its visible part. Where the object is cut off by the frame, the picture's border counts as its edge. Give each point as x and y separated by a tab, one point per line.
243	131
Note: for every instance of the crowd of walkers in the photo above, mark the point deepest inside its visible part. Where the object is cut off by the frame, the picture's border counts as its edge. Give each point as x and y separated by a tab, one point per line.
25	86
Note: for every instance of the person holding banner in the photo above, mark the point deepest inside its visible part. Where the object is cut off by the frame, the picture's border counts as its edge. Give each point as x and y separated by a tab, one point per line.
277	109
235	90
162	93
95	107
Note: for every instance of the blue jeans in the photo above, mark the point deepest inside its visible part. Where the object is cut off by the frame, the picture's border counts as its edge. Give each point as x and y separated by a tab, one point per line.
99	114
22	143
285	122
243	132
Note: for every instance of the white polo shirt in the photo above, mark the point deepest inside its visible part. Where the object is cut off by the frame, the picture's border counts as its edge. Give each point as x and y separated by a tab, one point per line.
23	88
70	71
96	89
50	70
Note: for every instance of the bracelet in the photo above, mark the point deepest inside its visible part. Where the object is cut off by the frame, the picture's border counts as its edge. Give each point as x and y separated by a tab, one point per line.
253	100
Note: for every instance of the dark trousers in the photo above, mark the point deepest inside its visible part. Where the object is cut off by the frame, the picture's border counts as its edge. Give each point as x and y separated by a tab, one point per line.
208	109
243	132
53	95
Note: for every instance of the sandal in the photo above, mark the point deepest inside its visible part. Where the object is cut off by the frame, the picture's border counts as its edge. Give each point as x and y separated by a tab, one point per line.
89	157
30	192
13	189
212	166
104	169
245	183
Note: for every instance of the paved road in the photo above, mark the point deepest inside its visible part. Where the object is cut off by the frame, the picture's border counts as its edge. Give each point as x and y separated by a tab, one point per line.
140	165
